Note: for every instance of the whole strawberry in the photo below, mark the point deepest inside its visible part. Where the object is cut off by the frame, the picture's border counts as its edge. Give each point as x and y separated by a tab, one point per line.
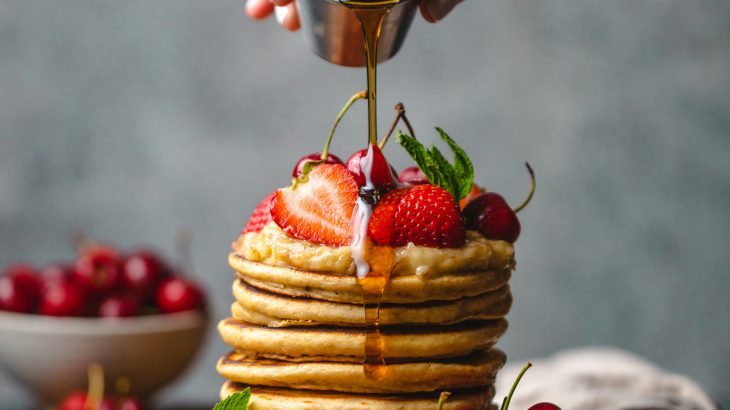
425	215
260	216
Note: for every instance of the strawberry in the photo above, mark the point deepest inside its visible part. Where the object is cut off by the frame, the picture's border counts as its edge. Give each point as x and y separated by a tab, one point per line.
260	216
475	191
320	208
426	215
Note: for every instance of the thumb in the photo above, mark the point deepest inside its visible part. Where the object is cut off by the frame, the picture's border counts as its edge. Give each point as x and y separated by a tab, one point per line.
435	10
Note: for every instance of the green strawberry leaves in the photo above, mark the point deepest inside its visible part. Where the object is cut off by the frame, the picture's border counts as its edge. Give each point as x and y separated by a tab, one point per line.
236	401
457	178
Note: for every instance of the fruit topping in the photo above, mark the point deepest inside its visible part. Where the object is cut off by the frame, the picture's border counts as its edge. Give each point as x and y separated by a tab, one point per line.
457	178
475	191
320	208
490	214
260	216
329	159
413	176
544	406
380	173
424	215
178	295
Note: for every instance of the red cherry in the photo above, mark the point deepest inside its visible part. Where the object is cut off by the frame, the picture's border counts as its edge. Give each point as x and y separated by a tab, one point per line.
13	296
142	272
123	305
129	403
63	299
74	401
299	167
413	176
489	214
381	173
98	269
27	278
177	295
544	406
58	273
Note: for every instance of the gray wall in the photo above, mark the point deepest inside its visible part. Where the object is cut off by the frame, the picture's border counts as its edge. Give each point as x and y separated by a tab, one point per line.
130	120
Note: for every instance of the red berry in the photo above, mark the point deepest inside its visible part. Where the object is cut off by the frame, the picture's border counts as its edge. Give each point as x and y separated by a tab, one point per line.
425	215
320	208
63	299
56	274
489	214
260	216
544	406
178	295
372	162
299	167
475	191
413	176
27	278
129	403
13	296
98	269
123	305
74	401
142	272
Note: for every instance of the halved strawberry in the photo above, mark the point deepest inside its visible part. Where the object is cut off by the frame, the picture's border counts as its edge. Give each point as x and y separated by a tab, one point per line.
320	208
475	191
425	215
260	216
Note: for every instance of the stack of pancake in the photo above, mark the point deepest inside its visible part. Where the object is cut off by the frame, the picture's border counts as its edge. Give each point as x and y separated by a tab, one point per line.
299	332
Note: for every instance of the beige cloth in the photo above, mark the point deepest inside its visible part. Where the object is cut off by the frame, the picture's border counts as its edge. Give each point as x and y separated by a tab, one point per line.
600	378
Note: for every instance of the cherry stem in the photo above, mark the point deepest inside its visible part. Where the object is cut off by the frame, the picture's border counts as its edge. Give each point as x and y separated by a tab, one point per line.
401	115
360	95
505	403
532	189
95	393
442	399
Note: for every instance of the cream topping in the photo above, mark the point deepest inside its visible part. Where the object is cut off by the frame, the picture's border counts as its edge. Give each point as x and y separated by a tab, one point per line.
274	247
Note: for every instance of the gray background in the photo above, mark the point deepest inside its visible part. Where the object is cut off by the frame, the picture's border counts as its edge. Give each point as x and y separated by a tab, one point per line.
131	119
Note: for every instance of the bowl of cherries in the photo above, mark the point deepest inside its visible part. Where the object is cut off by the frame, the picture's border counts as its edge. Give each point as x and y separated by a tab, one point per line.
132	314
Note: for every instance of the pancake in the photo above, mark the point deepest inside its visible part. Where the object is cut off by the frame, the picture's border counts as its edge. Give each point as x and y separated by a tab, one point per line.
270	309
268	398
327	343
476	370
344	288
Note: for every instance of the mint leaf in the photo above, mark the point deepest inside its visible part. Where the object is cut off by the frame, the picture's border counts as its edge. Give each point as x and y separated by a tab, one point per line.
236	401
457	178
463	167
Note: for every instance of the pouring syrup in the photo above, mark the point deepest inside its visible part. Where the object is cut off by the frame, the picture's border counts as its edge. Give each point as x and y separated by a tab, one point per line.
373	264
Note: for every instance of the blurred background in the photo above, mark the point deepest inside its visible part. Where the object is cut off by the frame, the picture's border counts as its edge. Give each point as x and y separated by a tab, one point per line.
131	120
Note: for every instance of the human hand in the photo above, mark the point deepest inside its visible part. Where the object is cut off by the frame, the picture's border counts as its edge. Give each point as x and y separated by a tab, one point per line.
288	16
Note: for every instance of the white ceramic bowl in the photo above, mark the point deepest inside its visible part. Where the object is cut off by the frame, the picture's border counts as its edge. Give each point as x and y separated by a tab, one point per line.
51	355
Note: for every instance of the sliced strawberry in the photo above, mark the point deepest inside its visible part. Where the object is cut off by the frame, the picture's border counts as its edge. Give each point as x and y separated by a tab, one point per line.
475	191
320	208
260	216
425	215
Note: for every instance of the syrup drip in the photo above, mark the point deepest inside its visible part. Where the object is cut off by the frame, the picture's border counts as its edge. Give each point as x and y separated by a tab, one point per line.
373	264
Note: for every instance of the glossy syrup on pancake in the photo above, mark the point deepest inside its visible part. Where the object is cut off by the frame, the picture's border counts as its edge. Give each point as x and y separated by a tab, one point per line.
373	264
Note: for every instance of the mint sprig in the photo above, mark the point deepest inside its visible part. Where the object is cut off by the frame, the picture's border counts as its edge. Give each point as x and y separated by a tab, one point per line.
236	401
457	178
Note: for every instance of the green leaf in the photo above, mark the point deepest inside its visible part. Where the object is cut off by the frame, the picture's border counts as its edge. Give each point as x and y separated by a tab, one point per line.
457	178
236	401
463	168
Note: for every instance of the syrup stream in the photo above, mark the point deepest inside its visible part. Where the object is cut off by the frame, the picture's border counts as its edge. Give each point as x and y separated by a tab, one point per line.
373	264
